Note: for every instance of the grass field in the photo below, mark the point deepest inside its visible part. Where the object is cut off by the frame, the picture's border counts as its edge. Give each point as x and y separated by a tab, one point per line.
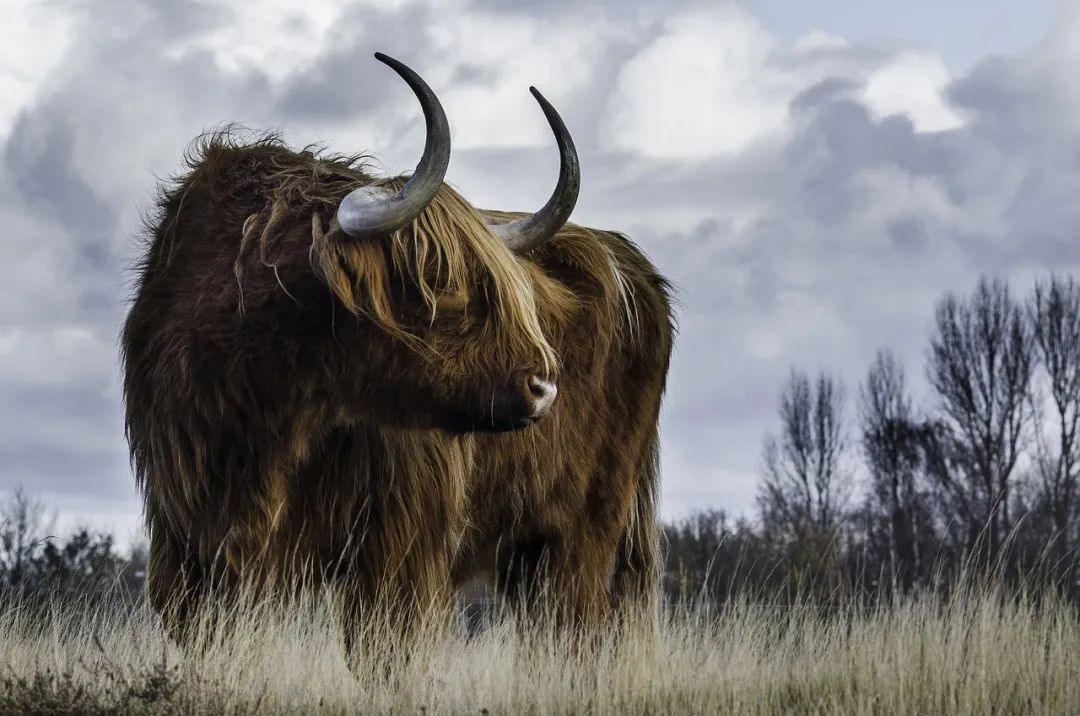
967	654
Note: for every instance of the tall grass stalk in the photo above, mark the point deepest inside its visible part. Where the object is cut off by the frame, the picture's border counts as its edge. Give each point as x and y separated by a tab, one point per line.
977	651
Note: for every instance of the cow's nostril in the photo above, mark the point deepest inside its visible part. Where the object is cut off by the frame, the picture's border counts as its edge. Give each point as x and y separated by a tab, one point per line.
539	388
543	391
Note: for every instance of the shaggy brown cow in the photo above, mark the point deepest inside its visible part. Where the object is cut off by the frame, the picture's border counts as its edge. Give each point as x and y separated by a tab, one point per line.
341	380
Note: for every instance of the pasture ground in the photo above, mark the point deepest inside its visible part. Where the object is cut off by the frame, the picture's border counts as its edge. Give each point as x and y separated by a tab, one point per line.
972	654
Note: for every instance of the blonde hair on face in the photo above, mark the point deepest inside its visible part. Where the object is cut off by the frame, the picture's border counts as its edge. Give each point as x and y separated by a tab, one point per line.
444	250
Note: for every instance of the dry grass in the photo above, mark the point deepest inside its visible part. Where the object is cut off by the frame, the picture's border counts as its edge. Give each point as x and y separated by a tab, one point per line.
969	654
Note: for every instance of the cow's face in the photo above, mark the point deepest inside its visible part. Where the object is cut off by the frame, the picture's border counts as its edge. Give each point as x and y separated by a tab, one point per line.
468	351
451	335
479	314
484	382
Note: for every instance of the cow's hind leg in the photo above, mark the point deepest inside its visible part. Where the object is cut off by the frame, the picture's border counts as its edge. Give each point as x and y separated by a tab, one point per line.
520	571
611	560
635	580
389	603
175	584
545	580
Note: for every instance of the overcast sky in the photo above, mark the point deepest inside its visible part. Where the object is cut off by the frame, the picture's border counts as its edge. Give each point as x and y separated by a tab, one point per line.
812	176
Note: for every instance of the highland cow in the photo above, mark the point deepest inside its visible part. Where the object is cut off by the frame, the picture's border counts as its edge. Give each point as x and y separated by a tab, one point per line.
333	379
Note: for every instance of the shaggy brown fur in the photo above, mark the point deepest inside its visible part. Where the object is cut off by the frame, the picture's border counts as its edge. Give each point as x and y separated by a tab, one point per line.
300	404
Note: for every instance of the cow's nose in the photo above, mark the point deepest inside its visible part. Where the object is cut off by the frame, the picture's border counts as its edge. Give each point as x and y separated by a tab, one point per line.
543	393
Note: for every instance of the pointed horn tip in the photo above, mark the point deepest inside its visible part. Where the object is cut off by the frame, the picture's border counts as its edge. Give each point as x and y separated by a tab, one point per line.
526	234
393	63
548	109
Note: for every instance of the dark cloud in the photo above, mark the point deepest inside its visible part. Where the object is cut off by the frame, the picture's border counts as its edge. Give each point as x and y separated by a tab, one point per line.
908	234
62	439
38	154
344	82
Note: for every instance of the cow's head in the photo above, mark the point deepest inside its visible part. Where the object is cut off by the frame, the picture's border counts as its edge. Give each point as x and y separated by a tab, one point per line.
458	341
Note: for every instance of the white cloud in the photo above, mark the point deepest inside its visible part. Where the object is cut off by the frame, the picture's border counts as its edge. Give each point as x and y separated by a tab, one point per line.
496	58
703	87
818	40
715	83
62	356
277	38
33	38
912	84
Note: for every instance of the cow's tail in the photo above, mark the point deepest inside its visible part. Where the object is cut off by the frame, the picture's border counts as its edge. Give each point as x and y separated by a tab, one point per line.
637	573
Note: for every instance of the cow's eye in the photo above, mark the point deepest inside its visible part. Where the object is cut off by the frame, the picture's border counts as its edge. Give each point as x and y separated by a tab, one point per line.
451	303
453	315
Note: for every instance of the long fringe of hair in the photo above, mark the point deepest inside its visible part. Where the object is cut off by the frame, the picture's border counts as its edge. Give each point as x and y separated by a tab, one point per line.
443	251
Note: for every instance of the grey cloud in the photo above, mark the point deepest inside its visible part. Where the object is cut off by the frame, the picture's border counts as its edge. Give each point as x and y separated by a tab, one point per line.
469	73
908	234
48	466
62	439
823	92
840	55
38	155
339	86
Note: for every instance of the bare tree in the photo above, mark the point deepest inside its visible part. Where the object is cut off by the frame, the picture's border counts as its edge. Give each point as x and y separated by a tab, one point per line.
804	490
32	558
24	525
980	364
1054	309
892	444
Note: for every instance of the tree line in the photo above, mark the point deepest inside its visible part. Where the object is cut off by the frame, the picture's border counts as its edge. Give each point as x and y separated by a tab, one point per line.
34	560
883	493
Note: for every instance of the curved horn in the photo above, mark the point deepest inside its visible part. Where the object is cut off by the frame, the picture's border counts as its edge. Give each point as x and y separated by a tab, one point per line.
371	210
526	234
